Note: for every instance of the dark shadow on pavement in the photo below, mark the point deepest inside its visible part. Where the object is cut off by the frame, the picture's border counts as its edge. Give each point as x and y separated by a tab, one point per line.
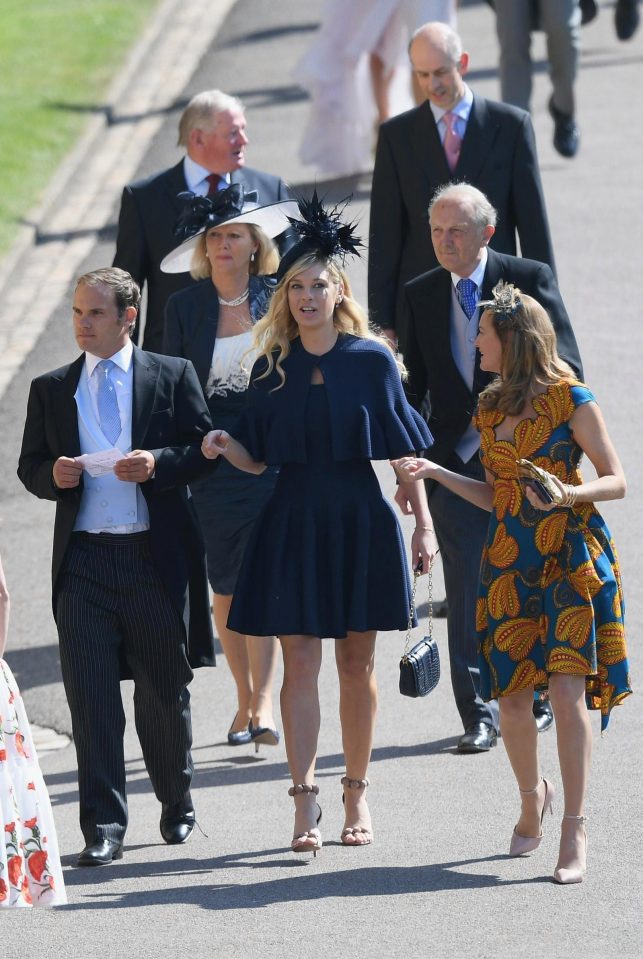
262	36
303	887
35	666
245	769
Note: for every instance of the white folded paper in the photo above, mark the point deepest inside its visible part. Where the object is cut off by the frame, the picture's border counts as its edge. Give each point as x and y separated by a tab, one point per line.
97	464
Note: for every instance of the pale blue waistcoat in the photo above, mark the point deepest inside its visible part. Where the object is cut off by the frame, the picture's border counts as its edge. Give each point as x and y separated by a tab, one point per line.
106	500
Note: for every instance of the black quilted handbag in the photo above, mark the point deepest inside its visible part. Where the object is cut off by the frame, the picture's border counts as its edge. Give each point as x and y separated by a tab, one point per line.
420	666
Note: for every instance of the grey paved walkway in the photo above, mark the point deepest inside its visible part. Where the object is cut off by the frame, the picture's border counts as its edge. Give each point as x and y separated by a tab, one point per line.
437	881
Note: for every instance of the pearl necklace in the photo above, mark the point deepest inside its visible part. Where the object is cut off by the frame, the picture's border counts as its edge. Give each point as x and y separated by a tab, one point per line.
236	302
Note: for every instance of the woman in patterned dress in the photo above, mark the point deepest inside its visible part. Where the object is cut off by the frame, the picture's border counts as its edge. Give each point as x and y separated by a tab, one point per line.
30	870
229	249
550	607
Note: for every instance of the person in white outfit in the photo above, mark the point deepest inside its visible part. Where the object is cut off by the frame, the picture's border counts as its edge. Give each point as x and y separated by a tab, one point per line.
357	75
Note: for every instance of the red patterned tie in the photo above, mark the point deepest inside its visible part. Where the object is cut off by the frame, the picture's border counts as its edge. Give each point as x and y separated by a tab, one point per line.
214	180
452	141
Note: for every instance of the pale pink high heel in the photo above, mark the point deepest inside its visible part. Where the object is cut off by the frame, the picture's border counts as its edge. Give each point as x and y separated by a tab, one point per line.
565	875
521	845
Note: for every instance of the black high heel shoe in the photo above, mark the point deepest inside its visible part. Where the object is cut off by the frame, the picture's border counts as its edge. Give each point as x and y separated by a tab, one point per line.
263	734
243	737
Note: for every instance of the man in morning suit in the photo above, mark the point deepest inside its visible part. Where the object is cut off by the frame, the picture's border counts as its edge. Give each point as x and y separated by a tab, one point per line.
454	135
212	129
130	595
437	341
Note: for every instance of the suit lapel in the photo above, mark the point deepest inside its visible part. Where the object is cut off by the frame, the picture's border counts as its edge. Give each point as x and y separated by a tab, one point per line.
146	374
491	276
64	407
176	184
443	314
426	147
492	273
201	344
477	142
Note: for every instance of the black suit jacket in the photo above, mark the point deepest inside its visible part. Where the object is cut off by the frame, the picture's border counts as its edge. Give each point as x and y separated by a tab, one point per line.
434	381
149	211
498	156
169	418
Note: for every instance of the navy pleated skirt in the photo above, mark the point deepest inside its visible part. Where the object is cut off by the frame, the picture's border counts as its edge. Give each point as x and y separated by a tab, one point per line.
326	554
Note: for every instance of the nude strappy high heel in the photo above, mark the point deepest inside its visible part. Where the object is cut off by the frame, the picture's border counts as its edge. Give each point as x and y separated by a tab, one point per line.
355	835
521	845
565	875
310	840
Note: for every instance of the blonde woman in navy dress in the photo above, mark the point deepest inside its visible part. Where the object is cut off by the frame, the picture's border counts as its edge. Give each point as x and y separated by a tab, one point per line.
228	249
326	556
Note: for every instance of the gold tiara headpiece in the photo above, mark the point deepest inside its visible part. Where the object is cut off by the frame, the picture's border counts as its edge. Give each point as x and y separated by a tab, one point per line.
505	299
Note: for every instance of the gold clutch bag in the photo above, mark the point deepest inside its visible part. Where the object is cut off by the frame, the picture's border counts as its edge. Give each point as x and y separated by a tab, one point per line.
541	481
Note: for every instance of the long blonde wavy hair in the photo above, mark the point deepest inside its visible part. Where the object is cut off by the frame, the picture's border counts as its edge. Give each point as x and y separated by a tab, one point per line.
529	357
277	329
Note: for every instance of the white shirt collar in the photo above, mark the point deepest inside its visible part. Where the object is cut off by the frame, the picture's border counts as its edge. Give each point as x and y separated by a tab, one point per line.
195	175
461	109
122	359
478	274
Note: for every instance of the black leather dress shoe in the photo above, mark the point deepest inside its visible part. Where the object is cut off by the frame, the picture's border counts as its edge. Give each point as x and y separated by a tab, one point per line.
626	18
100	853
177	822
588	10
478	738
544	716
566	132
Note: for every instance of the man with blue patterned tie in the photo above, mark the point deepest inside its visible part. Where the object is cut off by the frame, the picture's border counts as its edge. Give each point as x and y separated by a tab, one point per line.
113	438
440	327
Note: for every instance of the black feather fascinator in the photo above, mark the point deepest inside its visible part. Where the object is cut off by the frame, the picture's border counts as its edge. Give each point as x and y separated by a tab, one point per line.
322	231
201	212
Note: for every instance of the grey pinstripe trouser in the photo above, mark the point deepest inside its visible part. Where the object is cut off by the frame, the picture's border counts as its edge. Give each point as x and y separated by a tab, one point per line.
112	607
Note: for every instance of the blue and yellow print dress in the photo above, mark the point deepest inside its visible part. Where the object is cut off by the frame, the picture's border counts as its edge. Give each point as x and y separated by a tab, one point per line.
550	595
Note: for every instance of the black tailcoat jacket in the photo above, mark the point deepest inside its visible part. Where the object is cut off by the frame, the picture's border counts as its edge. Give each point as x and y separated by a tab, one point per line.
169	418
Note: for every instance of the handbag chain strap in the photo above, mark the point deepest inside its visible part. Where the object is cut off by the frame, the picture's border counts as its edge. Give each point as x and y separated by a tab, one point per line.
409	628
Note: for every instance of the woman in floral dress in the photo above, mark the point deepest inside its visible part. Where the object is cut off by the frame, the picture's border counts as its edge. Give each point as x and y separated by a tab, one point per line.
550	607
30	872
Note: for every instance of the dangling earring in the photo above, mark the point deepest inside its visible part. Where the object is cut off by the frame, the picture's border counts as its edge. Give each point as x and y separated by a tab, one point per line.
252	257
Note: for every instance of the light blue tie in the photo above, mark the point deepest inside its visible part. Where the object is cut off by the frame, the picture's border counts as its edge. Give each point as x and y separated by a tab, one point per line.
110	420
467	293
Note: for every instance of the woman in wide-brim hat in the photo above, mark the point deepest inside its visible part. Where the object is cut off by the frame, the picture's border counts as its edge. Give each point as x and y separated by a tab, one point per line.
228	246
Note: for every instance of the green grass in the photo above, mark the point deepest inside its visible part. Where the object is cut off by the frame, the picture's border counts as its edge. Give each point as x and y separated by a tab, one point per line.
57	61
